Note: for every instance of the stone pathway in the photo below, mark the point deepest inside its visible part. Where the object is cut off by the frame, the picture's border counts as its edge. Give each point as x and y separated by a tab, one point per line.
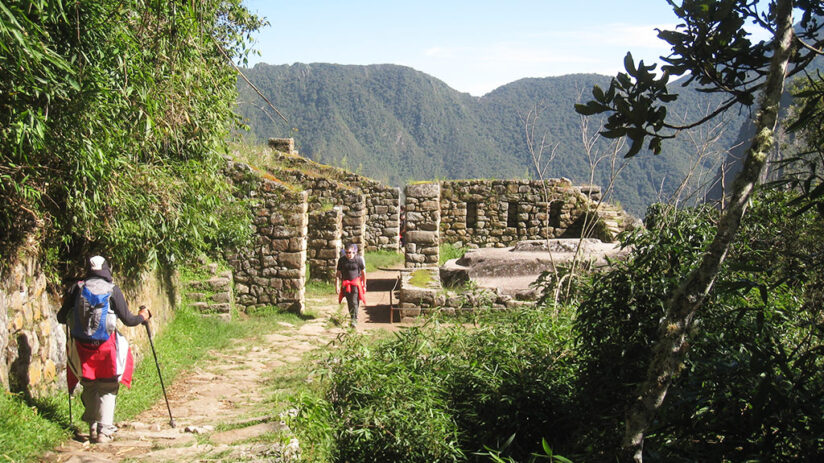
228	388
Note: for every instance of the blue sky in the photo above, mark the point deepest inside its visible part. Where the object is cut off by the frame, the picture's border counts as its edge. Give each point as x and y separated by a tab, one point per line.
473	46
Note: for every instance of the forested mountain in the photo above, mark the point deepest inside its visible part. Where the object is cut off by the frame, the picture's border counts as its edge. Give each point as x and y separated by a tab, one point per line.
396	124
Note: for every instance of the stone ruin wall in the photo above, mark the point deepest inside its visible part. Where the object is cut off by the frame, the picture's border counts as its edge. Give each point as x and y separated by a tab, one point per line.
271	270
382	202
33	343
479	213
423	220
324	243
492	213
324	193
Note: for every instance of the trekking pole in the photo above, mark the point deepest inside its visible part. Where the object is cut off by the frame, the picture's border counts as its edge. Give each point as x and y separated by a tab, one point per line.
68	392
162	386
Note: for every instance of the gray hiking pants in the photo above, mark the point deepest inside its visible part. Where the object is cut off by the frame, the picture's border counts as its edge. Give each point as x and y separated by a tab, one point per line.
99	398
352	302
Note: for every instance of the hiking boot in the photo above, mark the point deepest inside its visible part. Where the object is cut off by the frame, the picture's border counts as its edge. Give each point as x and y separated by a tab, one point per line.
92	432
101	438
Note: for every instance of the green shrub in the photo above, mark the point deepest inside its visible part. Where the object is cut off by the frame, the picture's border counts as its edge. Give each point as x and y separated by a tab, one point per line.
618	318
751	383
440	393
387	404
113	124
512	375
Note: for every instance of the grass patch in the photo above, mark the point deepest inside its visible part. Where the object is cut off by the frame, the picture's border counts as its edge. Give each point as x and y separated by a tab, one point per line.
420	278
383	258
28	430
449	251
319	289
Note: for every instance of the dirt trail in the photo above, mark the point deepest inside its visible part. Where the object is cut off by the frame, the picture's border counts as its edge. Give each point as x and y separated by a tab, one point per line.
228	388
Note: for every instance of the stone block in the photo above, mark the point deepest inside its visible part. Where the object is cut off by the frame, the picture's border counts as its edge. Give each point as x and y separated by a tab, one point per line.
422	237
430	251
328	253
35	373
410	312
200	306
282	232
49	370
218	283
296	244
223	297
317	243
291	259
353	221
423	190
221	308
279	245
417	295
430	206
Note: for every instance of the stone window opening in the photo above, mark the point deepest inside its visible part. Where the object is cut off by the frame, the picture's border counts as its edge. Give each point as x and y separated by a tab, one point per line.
512	215
555	210
471	214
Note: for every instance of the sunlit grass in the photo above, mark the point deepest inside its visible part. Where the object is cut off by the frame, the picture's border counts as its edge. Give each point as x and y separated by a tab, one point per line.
26	431
385	258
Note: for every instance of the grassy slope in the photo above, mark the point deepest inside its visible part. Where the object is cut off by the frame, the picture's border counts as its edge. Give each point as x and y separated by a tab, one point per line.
28	428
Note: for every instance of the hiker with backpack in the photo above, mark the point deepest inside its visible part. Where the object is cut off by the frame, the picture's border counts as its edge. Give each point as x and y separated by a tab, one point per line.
99	357
351	272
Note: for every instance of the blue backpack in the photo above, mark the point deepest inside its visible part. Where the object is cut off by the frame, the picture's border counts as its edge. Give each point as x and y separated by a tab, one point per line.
90	313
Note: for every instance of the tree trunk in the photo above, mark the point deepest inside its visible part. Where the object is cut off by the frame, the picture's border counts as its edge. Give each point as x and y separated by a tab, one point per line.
670	349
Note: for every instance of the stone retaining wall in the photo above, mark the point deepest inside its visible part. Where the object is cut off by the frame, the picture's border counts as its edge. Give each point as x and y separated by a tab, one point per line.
324	244
271	270
33	344
382	203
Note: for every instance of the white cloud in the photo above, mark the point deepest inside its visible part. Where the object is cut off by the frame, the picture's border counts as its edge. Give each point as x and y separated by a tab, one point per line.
623	35
479	68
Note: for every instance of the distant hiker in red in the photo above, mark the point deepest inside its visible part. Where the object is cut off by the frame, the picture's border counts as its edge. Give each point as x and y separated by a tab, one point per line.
352	275
98	356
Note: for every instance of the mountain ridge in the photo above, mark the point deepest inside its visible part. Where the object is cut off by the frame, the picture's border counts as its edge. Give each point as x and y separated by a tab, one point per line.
396	124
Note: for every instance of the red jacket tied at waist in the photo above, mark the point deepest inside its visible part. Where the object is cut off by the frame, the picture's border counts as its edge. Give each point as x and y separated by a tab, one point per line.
347	285
111	359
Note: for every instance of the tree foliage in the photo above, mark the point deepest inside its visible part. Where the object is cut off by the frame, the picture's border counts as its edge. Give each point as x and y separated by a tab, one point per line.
113	117
711	46
803	168
752	383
